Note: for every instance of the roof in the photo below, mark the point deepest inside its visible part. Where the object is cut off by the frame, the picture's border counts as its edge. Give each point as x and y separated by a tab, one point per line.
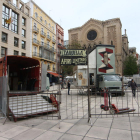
22	61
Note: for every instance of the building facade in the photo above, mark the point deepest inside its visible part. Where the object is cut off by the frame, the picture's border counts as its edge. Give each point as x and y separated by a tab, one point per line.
60	44
43	34
15	32
107	32
125	46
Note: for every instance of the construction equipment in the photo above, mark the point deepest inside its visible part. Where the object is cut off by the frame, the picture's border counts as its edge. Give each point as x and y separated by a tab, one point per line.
112	107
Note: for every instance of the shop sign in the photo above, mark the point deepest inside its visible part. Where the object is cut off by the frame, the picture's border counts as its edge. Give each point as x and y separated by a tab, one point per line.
73	57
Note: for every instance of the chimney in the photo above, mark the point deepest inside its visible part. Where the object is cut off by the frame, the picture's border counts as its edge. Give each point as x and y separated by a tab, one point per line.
125	32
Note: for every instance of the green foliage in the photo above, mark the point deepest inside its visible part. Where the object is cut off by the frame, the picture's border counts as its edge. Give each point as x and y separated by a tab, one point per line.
130	65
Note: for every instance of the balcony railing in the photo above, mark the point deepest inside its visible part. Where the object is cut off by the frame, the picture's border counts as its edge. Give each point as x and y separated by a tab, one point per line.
58	53
53	40
35	29
37	54
49	58
59	36
62	38
43	34
35	41
61	46
42	44
48	37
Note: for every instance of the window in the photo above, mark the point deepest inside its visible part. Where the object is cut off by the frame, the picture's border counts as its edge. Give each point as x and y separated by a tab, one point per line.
42	41
35	25
48	66
3	51
5	15
35	36
52	28
14	22
53	67
45	22
15	52
36	15
34	50
48	44
23	44
49	25
23	32
23	21
16	42
4	37
53	46
42	30
40	52
23	54
41	19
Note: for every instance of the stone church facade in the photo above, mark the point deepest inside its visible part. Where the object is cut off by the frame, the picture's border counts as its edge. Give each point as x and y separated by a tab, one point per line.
107	32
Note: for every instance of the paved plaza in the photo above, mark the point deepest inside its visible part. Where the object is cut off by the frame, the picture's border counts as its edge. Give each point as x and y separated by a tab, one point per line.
74	121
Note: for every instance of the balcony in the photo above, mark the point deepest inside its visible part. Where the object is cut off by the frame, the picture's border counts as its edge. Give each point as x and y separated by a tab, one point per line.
62	38
58	54
42	44
53	50
52	59
61	46
47	46
53	40
59	36
43	34
48	37
35	29
37	54
49	58
35	41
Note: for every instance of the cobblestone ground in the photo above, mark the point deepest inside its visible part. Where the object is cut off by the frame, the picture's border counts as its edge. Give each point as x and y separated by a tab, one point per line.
74	124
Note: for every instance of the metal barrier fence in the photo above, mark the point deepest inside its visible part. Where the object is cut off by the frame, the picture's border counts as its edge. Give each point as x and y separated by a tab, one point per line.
24	105
77	105
3	94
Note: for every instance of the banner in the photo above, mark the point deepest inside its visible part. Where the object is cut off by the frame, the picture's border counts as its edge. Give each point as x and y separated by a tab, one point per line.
73	57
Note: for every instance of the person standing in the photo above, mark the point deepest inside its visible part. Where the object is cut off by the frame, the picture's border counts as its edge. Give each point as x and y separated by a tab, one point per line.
68	87
133	86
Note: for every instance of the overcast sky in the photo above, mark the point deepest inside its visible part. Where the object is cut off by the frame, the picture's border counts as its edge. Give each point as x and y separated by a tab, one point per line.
74	13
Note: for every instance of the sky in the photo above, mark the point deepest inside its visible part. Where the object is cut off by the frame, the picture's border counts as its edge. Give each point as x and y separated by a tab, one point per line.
74	13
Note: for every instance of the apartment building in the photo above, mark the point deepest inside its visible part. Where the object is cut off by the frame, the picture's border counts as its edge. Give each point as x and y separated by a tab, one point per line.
60	44
14	32
43	34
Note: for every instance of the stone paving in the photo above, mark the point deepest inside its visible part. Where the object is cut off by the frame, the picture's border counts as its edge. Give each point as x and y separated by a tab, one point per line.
73	126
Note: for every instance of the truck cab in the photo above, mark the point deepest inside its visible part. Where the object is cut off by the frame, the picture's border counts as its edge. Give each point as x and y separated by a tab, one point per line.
111	82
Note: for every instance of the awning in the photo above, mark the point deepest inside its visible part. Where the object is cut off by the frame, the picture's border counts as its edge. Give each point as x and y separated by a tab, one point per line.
55	74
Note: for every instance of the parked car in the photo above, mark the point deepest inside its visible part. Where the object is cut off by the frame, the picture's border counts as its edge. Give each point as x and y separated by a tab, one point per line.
126	80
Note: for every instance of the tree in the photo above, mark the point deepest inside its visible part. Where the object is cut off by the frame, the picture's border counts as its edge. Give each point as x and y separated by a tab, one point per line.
130	65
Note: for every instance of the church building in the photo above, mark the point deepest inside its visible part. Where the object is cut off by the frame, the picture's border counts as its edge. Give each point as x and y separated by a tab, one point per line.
108	32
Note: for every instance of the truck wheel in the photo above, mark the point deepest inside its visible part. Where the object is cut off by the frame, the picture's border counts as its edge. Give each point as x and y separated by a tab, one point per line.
106	108
101	106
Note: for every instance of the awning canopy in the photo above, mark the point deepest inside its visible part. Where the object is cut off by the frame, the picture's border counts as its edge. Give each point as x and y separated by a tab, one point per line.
55	74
